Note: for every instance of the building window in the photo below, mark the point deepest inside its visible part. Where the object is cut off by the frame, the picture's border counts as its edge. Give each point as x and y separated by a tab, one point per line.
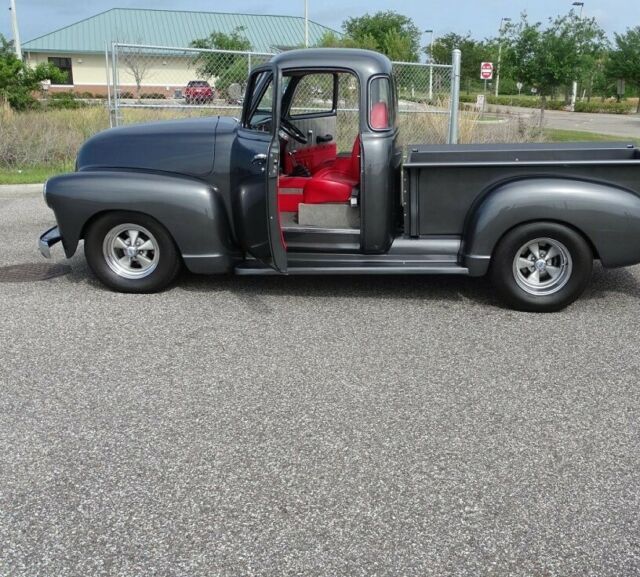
64	64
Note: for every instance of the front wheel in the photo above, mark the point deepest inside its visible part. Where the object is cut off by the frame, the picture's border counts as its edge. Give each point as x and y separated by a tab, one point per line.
541	267
131	252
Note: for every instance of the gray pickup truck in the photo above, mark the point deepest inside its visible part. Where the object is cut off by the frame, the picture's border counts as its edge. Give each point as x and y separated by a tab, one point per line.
271	194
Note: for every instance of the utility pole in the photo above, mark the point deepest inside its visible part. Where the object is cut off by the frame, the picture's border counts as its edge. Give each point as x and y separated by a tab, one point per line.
502	22
430	64
14	25
306	23
574	87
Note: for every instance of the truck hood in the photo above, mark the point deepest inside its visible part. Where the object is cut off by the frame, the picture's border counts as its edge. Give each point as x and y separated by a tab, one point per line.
177	146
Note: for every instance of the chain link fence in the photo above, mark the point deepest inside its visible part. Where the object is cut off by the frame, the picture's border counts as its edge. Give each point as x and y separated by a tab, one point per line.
159	82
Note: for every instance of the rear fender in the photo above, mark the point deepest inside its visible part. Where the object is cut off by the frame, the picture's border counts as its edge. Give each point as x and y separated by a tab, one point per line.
607	216
191	210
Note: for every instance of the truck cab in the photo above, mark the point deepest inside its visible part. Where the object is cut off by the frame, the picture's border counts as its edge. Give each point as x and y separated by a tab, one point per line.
317	150
311	180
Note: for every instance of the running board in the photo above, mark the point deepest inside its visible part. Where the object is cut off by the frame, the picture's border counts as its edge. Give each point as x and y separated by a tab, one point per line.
337	266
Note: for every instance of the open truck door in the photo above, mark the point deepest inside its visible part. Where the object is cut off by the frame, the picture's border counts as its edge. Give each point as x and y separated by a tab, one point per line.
255	166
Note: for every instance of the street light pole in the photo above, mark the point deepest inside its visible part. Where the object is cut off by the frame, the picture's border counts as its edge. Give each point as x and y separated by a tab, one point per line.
306	23
574	86
502	21
14	25
430	64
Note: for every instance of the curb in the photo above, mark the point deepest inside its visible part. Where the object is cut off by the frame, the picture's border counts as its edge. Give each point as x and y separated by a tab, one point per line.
17	189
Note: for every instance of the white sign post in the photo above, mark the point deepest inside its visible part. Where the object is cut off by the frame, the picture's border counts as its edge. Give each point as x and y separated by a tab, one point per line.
486	73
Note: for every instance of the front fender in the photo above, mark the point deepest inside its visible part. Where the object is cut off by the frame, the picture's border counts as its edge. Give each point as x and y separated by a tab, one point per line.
608	216
191	210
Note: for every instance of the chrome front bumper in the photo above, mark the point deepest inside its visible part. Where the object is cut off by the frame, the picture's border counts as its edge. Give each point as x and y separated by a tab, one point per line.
47	240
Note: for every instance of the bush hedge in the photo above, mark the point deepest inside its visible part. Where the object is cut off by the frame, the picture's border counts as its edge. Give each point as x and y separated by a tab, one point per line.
595	105
608	106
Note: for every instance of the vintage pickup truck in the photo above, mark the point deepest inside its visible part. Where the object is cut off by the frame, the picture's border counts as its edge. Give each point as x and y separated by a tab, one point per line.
271	194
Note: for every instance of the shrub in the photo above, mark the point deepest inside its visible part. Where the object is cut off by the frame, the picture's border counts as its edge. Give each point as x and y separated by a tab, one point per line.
153	96
607	106
64	101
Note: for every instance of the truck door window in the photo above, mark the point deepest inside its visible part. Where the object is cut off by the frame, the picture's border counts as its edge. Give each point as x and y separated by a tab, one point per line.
314	95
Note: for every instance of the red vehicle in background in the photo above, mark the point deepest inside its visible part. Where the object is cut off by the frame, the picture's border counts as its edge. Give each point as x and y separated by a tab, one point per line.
198	92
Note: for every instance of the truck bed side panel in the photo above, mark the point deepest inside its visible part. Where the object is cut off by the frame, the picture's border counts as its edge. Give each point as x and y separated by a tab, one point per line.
446	194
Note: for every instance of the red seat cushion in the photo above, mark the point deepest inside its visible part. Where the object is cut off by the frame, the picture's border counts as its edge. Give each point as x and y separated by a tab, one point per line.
329	186
335	183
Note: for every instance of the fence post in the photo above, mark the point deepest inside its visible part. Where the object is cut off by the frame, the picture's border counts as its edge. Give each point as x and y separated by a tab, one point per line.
106	61
455	97
116	87
430	82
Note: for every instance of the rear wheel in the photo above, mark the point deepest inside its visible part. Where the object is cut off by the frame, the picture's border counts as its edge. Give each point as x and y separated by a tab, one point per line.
541	267
131	252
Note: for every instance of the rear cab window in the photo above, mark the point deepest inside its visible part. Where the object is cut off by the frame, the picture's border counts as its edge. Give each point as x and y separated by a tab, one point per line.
382	111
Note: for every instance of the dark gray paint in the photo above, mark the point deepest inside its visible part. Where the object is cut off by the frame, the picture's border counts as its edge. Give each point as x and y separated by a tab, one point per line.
191	210
609	217
178	146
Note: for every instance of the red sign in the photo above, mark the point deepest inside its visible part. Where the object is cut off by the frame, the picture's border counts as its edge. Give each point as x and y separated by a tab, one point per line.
486	71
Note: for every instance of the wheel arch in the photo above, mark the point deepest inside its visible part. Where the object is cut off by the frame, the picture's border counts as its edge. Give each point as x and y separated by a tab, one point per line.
566	224
190	210
607	217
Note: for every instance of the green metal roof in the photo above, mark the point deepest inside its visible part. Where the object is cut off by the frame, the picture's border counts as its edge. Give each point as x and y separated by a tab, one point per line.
173	28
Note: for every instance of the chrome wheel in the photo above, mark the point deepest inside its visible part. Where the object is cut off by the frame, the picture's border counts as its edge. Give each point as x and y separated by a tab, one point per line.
131	251
542	266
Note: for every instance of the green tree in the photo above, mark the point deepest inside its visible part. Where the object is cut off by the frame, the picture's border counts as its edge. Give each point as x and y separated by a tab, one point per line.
624	60
388	32
474	52
553	57
19	81
332	40
6	46
225	67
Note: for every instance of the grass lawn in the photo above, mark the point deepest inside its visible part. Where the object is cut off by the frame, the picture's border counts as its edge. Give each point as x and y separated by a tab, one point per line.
30	175
558	135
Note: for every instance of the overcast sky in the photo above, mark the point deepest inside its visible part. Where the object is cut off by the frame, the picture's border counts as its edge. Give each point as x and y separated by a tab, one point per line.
481	17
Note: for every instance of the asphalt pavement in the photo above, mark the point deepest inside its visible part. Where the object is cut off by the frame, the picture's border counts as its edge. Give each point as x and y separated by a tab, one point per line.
311	426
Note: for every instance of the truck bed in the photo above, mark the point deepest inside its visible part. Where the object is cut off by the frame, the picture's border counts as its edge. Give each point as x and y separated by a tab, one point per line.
442	182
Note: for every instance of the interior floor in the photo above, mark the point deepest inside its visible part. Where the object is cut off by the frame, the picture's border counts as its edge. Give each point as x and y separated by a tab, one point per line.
321	216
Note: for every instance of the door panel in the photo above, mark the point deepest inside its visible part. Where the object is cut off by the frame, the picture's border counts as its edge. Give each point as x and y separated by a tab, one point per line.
255	161
317	126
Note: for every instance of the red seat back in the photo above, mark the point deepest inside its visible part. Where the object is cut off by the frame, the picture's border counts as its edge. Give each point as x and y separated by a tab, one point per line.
379	116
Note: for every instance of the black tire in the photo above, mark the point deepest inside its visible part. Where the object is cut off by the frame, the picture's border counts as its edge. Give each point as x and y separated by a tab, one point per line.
562	291
166	259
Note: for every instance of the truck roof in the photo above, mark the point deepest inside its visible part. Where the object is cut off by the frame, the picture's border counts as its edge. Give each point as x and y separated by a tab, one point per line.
365	62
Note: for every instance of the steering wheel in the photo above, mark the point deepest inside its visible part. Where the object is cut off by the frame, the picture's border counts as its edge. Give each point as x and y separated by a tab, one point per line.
293	131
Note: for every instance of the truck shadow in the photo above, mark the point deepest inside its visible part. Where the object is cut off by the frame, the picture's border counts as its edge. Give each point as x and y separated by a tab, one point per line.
624	281
433	288
448	289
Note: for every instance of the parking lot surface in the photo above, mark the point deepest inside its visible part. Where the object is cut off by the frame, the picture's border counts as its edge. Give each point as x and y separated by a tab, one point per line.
311	426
